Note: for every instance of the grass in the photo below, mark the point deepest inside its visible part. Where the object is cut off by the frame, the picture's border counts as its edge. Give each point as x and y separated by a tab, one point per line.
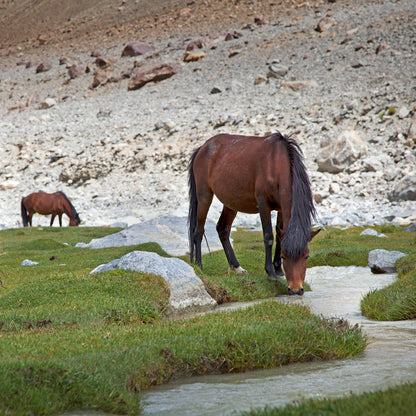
400	401
72	340
397	301
51	370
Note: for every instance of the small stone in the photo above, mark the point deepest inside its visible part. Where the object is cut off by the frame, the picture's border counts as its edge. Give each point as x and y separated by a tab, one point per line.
195	44
193	56
403	112
28	262
260	79
100	77
325	23
137	48
277	70
382	47
48	103
215	90
43	67
75	71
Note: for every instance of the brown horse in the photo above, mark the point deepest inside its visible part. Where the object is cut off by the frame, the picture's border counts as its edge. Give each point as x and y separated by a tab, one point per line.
255	175
45	204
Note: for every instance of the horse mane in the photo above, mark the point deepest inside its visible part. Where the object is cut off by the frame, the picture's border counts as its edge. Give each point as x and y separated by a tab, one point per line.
74	212
303	210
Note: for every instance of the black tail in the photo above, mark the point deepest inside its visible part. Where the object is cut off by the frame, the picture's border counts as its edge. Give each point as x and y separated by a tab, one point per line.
25	218
193	207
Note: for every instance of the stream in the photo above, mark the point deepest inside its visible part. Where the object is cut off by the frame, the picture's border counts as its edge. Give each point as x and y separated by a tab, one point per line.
390	358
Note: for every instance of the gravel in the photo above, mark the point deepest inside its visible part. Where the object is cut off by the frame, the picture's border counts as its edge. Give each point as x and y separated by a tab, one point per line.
122	156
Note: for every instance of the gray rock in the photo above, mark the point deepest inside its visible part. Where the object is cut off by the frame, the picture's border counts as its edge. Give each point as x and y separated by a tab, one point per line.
48	103
405	190
383	261
136	49
411	133
187	292
277	70
372	233
325	23
411	228
28	263
340	153
43	67
170	232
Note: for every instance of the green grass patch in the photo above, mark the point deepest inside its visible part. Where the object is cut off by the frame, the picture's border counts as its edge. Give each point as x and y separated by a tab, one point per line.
400	401
397	301
72	340
50	370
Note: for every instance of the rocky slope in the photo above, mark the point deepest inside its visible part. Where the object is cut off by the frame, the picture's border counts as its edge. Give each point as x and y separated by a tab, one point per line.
339	76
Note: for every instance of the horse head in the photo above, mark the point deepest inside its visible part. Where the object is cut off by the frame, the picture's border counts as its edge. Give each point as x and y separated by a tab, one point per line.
295	267
74	221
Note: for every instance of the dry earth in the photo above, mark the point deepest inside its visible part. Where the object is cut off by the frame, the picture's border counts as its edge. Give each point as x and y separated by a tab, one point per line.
122	155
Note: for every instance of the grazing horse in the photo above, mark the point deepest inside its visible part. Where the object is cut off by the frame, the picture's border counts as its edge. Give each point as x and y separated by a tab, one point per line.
255	175
45	204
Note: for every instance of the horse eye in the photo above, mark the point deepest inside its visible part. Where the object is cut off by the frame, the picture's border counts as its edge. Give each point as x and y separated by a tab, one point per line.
306	258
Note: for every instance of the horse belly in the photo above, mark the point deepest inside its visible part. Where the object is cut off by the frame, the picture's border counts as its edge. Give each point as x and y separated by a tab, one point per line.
237	194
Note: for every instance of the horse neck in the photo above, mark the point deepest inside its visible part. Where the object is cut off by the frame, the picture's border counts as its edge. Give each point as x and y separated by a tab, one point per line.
69	209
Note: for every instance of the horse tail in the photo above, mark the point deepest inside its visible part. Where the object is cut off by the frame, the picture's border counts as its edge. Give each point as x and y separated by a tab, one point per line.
303	210
193	206
25	218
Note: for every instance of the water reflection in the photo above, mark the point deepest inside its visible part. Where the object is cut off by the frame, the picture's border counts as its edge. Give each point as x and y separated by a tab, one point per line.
390	358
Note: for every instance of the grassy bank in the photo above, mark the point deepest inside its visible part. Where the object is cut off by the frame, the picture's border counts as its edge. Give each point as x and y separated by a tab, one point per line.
72	340
398	401
394	302
397	301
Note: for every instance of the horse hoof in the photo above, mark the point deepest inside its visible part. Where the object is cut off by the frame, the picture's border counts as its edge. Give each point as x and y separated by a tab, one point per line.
273	277
238	270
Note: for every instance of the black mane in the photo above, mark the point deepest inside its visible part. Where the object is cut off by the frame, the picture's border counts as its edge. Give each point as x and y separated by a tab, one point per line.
74	212
298	234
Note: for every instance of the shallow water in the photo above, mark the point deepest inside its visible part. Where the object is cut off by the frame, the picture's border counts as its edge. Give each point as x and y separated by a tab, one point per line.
389	359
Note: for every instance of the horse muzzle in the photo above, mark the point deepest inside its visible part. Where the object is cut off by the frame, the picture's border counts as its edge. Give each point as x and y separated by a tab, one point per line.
292	292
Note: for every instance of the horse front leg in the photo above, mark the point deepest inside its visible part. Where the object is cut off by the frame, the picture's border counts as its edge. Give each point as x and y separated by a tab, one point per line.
52	220
266	223
224	230
277	261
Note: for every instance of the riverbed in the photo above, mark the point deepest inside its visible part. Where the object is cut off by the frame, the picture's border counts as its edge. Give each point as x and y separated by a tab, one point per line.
390	358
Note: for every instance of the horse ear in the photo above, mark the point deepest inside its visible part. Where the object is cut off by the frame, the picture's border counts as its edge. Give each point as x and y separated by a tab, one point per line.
279	233
314	233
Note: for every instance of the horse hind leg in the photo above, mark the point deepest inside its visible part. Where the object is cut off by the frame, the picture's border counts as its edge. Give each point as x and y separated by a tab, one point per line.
202	212
224	230
29	217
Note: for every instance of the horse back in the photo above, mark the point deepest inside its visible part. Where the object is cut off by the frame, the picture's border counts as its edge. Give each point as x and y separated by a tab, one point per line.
241	169
42	202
